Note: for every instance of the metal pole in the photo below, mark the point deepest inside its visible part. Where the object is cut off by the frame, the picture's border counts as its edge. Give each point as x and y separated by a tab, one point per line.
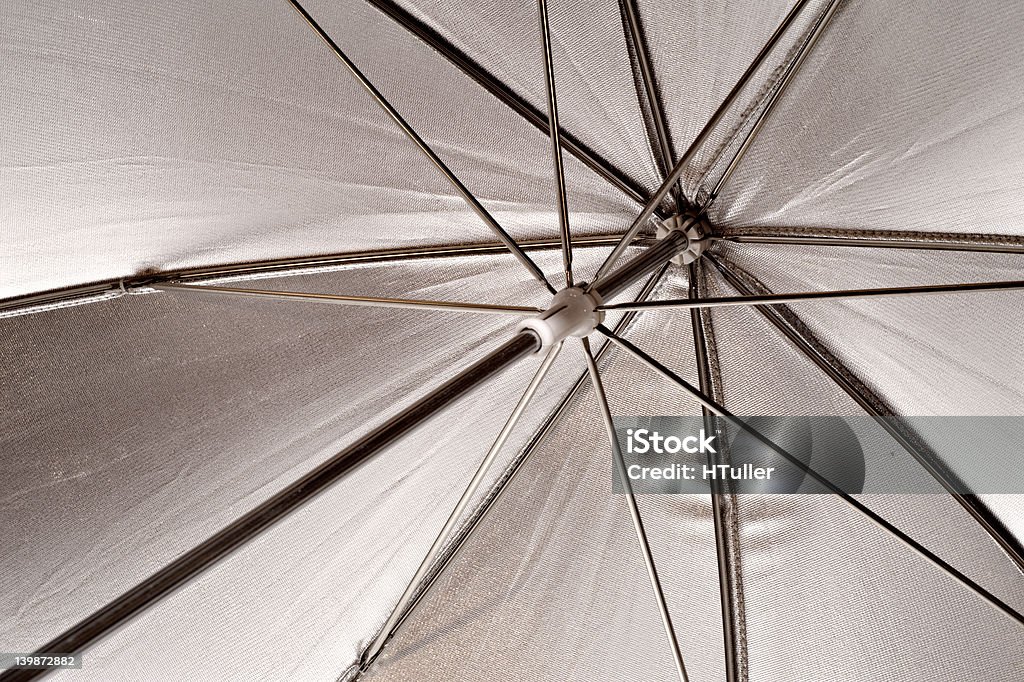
556	142
773	99
659	254
849	499
634	513
366	301
677	171
287	266
498	490
425	148
197	560
615	176
894	239
723	502
663	147
449	526
774	299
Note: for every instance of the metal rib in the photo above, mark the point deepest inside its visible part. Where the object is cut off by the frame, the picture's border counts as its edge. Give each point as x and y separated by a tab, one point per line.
771	299
634	512
616	282
871	515
662	141
787	77
556	142
517	465
947	478
245	528
469	197
367	301
460	507
641	220
506	96
286	266
680	166
884	240
722	502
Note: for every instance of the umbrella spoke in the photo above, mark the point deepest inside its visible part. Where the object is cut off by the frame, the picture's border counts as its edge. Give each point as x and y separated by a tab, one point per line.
420	143
870	514
662	143
677	170
772	299
398	613
506	96
368	301
773	99
634	511
556	142
722	512
459	540
881	240
188	566
291	266
870	403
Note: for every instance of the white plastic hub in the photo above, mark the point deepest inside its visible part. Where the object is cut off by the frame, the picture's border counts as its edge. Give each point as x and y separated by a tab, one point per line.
696	231
572	312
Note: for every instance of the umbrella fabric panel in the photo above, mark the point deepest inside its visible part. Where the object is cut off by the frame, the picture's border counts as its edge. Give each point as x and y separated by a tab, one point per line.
769	376
551	586
225	133
699	55
696	54
300	601
1009	509
136	427
597	94
900	120
819	579
925	355
303	600
828	596
504	161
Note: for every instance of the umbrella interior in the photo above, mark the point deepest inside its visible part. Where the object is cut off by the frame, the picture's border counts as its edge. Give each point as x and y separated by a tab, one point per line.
139	423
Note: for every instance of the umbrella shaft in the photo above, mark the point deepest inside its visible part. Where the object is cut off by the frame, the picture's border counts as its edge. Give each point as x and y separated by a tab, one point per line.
616	282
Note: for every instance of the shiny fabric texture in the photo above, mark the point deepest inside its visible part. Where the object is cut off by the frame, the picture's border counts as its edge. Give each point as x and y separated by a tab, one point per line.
861	581
174	434
146	138
903	118
238	136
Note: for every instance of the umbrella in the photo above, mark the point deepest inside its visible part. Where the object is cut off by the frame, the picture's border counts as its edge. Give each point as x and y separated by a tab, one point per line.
531	221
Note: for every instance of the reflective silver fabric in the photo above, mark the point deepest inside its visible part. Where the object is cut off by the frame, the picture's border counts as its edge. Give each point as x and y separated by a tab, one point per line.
147	138
143	138
903	118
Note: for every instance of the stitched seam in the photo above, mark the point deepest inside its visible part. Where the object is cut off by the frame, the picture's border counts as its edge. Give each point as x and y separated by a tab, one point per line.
881	409
733	544
937	237
746	115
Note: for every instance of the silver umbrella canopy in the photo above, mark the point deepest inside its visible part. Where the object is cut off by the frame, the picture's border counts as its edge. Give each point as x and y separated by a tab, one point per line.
866	146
